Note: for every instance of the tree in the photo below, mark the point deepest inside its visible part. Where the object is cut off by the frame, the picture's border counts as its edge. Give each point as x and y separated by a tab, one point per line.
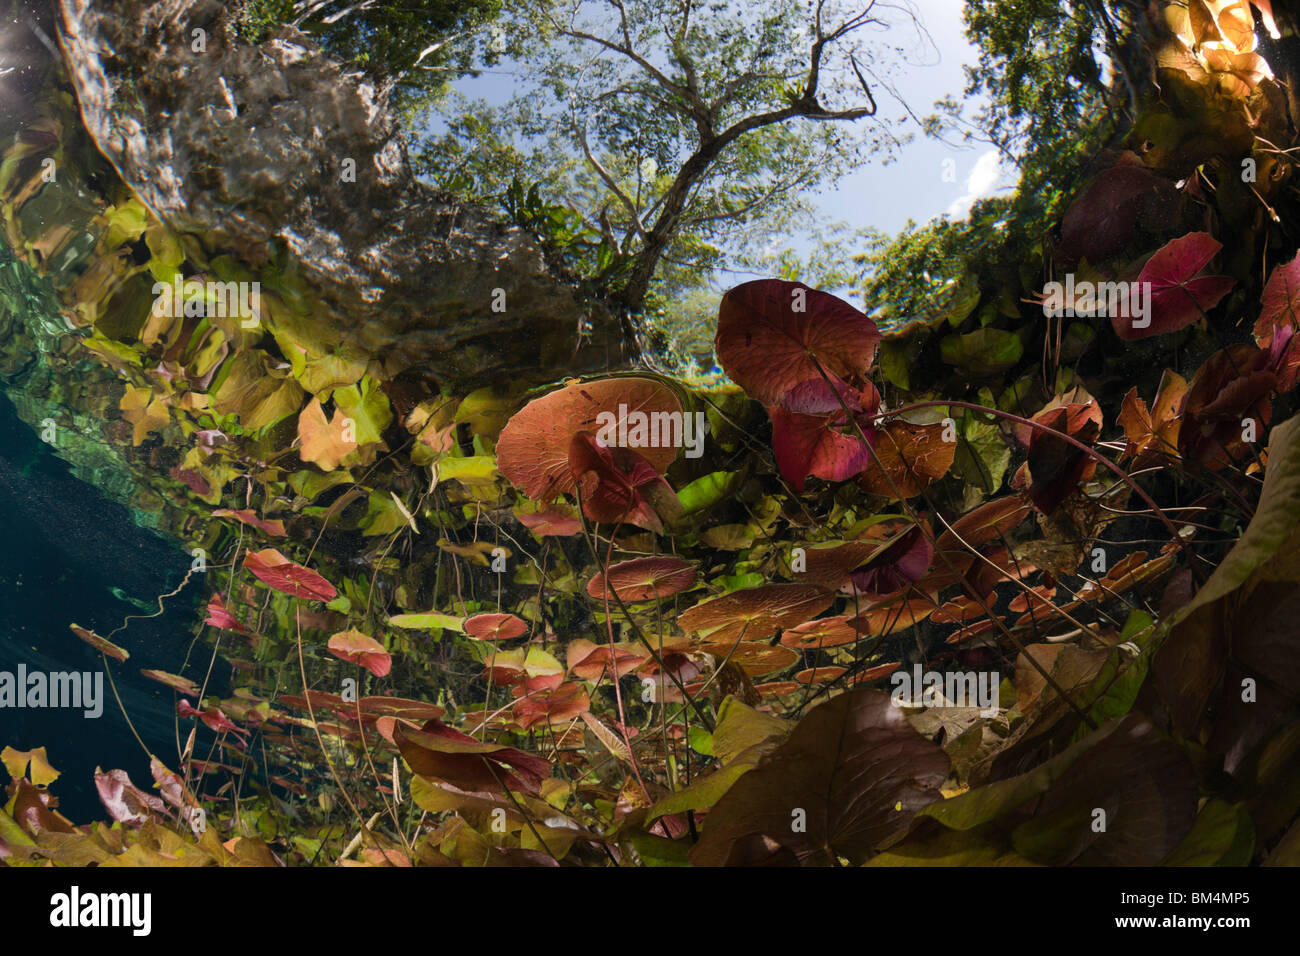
1049	108
416	45
687	129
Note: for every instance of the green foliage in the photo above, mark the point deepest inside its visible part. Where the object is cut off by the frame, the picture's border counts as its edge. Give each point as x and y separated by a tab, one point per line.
418	45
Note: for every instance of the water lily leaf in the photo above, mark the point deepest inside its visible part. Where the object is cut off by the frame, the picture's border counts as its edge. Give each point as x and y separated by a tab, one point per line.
643	579
521	665
753	657
358	648
273	527
742	730
774	335
33	764
438	751
551	707
982	455
1231	385
474	470
145	411
729	537
533	450
755	613
124	801
495	627
213	718
486	410
367	406
1222	835
982	352
1154	430
811	434
1142	782
593	662
1056	466
257	390
176	682
322	375
276	571
823	632
853	772
1099	223
99	643
895	565
820	675
618	485
428	621
553	520
1279	316
707	491
1179	294
384	515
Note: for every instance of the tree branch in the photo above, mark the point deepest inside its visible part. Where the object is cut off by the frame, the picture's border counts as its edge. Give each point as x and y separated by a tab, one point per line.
608	179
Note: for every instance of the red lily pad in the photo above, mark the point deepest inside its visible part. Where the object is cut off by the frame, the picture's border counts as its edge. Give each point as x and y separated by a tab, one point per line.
819	675
1232	385
1041	598
755	613
753	657
399	707
124	801
273	527
358	648
220	616
99	643
908	457
495	627
972	630
958	609
278	572
897	615
812	435
643	579
1279	321
1056	466
552	707
896	565
593	662
774	335
212	718
176	682
823	632
875	673
554	521
1153	431
1100	222
618	485
436	750
1179	294
533	450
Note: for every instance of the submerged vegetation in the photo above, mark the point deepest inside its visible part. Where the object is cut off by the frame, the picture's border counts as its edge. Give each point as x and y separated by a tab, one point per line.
1008	579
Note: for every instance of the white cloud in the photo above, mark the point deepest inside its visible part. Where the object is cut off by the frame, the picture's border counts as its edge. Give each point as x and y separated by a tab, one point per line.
985	177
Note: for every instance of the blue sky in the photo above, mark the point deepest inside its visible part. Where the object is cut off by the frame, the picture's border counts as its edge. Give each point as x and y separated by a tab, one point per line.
914	186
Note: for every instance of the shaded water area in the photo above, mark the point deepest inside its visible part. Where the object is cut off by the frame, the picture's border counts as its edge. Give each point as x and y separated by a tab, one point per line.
70	555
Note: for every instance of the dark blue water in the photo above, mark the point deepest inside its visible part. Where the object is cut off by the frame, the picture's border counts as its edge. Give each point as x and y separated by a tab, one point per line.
63	546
